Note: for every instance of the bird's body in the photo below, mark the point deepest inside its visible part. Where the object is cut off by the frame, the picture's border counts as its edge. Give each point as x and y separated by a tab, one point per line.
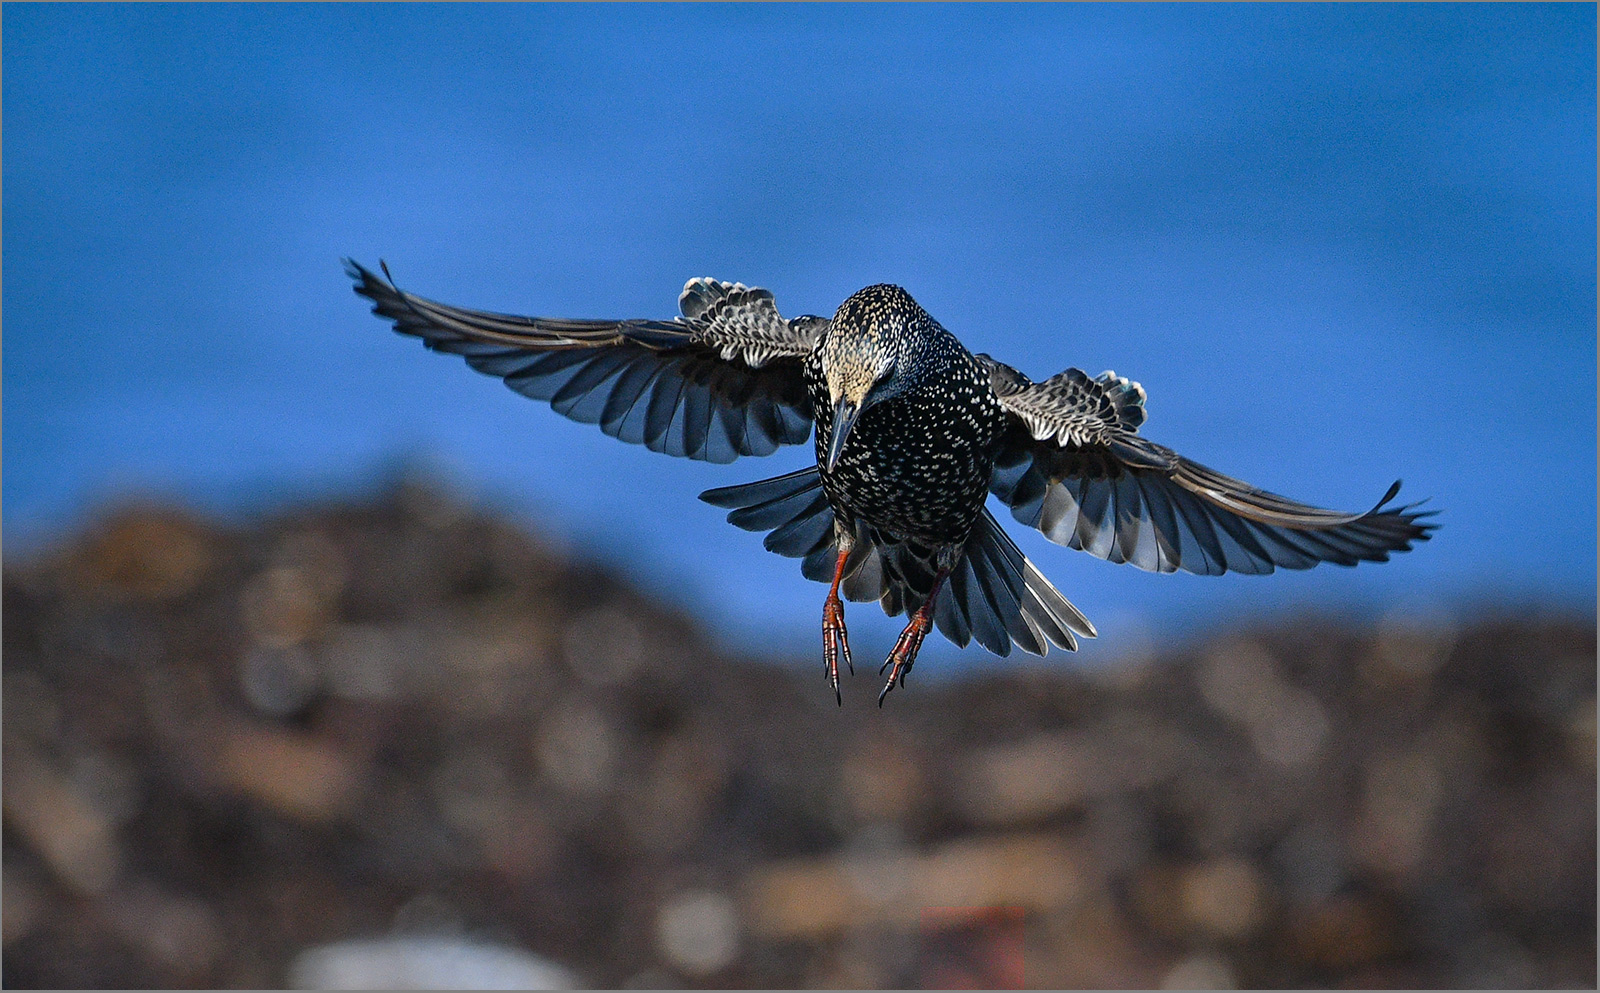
915	466
913	432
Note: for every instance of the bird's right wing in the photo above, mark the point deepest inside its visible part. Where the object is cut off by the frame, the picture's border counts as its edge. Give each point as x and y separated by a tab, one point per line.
721	381
1074	466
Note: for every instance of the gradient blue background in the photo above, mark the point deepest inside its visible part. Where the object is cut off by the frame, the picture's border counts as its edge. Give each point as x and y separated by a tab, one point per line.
1336	244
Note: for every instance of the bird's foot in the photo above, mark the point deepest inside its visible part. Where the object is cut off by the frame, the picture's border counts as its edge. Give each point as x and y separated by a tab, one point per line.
835	642
904	656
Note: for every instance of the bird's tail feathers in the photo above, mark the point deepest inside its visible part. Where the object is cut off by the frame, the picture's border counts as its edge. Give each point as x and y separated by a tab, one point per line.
996	596
993	594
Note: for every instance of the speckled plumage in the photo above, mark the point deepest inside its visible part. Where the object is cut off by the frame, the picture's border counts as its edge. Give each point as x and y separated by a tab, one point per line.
917	466
913	432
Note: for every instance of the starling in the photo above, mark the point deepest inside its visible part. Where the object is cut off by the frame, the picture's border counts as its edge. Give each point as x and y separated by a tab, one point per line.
913	432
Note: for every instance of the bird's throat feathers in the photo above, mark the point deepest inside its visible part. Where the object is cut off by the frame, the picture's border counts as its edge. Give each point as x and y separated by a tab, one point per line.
853	363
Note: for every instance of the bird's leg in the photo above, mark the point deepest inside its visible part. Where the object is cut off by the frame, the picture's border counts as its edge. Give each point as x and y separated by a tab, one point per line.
835	640
910	641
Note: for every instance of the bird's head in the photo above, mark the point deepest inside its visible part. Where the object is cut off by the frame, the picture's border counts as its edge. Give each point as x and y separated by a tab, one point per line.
865	355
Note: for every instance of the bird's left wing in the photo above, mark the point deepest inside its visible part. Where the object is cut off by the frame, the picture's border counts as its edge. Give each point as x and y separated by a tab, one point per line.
721	381
1074	466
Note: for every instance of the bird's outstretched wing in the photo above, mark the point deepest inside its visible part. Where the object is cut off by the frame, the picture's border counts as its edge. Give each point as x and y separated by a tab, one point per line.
721	381
1074	466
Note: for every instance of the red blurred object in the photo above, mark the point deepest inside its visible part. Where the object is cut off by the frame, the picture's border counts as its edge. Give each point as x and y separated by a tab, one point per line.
970	948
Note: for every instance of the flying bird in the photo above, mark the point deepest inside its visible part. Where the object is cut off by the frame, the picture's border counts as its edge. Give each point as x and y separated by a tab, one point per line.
912	432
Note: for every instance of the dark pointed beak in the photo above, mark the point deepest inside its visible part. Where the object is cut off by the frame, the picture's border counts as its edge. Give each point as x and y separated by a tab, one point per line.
844	417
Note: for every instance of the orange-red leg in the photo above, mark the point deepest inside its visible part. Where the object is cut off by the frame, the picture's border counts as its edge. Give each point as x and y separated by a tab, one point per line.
905	651
835	640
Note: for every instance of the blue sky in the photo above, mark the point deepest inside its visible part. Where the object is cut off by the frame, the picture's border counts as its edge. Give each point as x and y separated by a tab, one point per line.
1337	244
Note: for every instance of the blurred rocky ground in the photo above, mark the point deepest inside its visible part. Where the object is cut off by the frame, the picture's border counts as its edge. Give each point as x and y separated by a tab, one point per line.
227	748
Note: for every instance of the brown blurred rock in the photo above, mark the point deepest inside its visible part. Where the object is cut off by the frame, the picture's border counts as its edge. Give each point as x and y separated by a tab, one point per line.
1035	872
176	932
1241	680
1050	775
293	774
142	553
75	839
1034	779
882	778
1203	971
576	747
404	720
669	808
1225	898
1344	934
1581	733
813	898
1407	651
807	900
1089	946
284	606
1400	797
19	908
